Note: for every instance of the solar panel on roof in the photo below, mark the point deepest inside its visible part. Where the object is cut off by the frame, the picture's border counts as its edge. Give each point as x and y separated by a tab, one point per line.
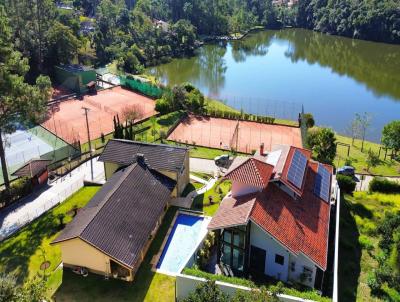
322	183
297	169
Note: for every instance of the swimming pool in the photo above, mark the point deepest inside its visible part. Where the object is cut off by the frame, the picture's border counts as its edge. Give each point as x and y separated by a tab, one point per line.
186	235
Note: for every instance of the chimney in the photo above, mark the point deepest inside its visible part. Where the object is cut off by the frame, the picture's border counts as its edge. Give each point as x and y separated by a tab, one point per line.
142	160
262	149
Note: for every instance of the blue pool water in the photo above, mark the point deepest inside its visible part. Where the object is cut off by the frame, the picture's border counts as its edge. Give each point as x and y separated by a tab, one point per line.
184	238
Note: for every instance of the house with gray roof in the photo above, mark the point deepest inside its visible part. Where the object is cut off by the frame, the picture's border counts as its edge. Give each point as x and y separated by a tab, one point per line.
171	161
112	233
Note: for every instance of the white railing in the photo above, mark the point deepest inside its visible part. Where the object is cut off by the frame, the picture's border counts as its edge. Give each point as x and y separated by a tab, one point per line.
336	258
10	228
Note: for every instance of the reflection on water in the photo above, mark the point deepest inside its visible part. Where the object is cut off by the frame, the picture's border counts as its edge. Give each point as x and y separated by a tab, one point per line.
275	72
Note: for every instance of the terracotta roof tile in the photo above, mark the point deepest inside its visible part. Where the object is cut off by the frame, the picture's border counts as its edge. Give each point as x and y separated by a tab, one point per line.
252	172
301	225
233	211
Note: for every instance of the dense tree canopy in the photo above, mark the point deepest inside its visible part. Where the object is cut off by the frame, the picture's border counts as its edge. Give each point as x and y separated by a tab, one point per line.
391	135
19	101
377	20
162	29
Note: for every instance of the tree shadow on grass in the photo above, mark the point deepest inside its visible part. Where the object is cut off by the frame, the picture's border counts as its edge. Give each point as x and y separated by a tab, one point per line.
349	254
360	210
96	288
15	252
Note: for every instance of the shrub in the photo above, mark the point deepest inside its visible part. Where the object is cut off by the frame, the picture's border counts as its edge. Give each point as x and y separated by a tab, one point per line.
365	243
322	141
346	183
373	283
309	120
162	106
372	160
383	185
19	188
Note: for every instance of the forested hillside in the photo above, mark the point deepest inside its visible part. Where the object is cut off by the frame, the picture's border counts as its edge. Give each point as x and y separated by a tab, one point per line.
146	32
376	20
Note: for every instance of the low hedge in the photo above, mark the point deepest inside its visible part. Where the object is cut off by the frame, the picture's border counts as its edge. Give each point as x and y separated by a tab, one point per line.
233	280
383	185
240	116
308	294
346	183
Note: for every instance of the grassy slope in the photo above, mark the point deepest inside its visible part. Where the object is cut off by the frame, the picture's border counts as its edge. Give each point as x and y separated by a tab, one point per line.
22	253
149	286
218	105
360	215
387	167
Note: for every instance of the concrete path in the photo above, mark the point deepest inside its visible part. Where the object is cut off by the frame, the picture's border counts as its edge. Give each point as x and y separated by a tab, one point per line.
198	179
211	182
29	208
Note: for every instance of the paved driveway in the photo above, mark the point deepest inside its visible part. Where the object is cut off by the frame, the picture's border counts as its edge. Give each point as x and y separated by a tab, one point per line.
204	166
27	209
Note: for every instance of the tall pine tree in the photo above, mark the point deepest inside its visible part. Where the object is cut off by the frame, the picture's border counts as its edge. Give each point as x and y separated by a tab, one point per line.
20	102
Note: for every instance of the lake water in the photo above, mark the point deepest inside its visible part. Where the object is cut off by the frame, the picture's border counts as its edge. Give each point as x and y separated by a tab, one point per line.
278	72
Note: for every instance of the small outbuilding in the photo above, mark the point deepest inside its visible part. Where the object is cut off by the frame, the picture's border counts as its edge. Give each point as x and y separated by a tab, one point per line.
75	77
36	170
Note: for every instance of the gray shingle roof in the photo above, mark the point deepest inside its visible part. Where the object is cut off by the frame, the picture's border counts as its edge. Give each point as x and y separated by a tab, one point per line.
159	156
121	216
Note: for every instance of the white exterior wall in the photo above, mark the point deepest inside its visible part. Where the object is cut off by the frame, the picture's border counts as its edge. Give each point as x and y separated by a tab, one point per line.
301	261
239	189
262	240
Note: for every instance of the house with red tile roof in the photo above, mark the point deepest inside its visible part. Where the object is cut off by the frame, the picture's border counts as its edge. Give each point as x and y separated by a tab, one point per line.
275	221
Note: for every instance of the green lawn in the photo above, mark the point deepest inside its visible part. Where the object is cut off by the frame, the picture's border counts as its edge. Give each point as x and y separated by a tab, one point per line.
204	152
358	247
24	252
149	286
202	202
387	167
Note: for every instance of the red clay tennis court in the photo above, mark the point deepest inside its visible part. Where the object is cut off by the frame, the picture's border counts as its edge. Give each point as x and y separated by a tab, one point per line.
68	121
242	136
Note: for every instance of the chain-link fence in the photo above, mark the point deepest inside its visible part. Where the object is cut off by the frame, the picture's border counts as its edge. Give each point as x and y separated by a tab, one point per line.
279	109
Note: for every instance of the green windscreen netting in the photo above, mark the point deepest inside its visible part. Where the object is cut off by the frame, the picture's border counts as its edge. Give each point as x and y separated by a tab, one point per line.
141	86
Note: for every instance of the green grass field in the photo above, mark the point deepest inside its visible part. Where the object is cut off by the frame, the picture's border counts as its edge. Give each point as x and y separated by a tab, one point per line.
358	247
386	167
23	253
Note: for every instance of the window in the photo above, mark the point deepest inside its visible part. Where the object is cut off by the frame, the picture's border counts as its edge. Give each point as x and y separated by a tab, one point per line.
279	259
233	248
307	271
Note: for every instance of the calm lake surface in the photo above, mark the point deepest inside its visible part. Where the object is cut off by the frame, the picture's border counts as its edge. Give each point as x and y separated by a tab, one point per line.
277	72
